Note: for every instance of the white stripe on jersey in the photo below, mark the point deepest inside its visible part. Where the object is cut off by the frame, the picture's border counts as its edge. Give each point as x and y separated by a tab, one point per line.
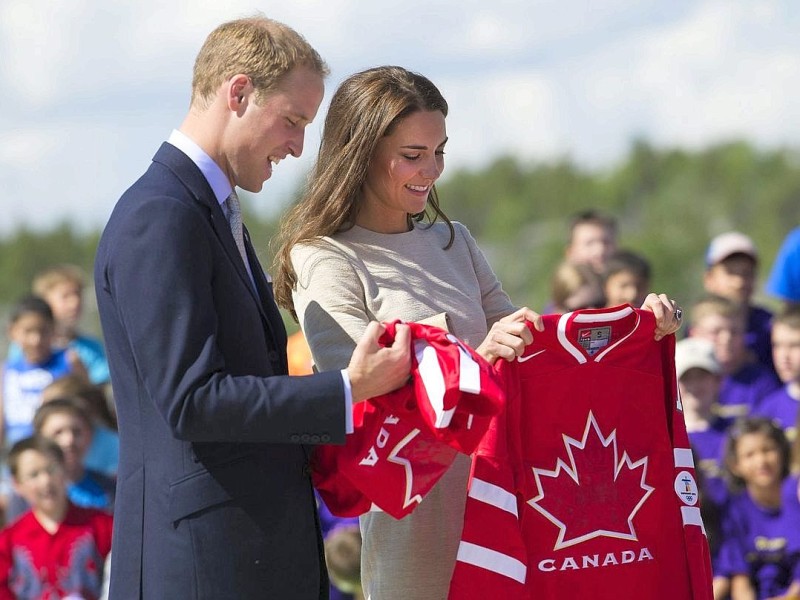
491	560
469	373
691	516
683	458
493	495
433	379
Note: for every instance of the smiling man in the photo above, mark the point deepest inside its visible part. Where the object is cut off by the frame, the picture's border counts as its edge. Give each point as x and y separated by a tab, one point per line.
214	497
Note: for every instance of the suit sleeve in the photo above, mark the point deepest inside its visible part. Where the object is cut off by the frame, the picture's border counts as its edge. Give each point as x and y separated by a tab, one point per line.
330	303
157	279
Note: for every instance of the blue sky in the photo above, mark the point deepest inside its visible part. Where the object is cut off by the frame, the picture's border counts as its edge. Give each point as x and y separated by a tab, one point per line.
90	89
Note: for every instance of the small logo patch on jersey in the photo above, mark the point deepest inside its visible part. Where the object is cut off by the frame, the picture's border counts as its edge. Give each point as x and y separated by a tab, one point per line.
686	488
594	339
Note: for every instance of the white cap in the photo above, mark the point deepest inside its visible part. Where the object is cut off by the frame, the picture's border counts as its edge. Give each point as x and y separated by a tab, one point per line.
727	244
695	353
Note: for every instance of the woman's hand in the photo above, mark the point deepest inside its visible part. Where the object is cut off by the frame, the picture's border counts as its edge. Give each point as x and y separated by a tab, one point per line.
667	313
508	337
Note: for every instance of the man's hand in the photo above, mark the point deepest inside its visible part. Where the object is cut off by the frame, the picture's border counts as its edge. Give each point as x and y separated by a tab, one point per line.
667	313
375	370
508	337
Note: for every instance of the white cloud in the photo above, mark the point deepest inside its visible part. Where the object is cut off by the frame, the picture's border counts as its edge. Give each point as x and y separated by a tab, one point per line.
91	88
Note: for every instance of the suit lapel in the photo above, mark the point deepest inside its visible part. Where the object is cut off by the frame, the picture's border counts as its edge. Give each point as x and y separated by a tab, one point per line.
192	178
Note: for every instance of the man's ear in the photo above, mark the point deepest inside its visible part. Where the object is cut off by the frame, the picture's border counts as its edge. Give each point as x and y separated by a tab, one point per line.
237	90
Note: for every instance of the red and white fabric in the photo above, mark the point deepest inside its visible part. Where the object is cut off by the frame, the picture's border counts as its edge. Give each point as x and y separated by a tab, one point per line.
403	442
584	487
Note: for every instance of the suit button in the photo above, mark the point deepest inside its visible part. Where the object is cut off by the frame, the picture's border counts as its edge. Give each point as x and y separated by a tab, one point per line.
315	439
307	470
294	437
325	438
305	438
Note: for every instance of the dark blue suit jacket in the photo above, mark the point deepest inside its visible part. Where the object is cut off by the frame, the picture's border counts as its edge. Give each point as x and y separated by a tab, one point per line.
214	498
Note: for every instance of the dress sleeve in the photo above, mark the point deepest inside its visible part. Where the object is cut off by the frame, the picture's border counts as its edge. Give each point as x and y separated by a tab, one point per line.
330	303
495	301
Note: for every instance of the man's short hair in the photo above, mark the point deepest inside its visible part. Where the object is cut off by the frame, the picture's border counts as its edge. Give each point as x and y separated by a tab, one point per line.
261	48
788	317
711	304
36	443
60	406
627	261
46	280
591	217
31	304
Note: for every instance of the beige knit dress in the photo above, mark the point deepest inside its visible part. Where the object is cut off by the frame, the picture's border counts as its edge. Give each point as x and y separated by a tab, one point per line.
356	276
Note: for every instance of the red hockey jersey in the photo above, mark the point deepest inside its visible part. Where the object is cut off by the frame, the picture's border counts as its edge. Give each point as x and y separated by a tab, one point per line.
404	441
584	487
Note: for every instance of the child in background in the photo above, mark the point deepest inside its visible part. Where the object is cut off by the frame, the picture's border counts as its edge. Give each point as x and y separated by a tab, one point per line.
592	239
745	381
342	540
69	426
760	552
103	454
62	287
626	279
343	557
731	269
574	286
54	550
31	328
781	405
699	381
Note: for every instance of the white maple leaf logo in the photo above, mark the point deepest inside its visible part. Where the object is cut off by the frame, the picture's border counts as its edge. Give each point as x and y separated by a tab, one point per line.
596	494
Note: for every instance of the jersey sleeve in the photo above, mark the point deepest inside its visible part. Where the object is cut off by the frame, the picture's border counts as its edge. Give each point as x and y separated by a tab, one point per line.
698	557
403	442
492	560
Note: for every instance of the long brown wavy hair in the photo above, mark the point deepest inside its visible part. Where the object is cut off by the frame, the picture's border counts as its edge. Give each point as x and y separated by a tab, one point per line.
365	107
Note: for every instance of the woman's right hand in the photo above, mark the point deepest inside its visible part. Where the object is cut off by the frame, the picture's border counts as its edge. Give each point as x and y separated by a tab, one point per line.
508	337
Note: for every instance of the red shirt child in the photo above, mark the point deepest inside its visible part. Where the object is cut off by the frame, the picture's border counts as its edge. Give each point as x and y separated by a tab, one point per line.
55	550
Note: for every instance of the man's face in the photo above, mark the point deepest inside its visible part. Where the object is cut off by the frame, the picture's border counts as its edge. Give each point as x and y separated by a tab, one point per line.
262	134
33	333
72	434
66	303
733	278
786	352
591	244
699	389
727	335
41	481
625	287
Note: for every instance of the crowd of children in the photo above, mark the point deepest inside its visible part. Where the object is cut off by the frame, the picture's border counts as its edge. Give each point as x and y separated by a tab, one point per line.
60	447
738	370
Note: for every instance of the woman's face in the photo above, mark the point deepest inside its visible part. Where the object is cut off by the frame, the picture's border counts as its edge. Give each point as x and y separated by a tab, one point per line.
402	172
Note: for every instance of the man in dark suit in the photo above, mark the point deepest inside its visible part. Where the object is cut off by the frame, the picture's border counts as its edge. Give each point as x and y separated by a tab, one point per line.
214	498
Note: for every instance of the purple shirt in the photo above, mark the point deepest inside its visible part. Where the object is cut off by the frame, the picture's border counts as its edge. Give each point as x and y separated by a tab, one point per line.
781	408
708	447
741	392
762	543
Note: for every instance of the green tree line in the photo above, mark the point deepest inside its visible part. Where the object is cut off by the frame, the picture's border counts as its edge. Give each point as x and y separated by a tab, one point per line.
668	202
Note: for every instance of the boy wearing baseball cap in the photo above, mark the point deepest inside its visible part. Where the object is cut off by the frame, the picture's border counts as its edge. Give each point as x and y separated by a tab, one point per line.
699	379
731	270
